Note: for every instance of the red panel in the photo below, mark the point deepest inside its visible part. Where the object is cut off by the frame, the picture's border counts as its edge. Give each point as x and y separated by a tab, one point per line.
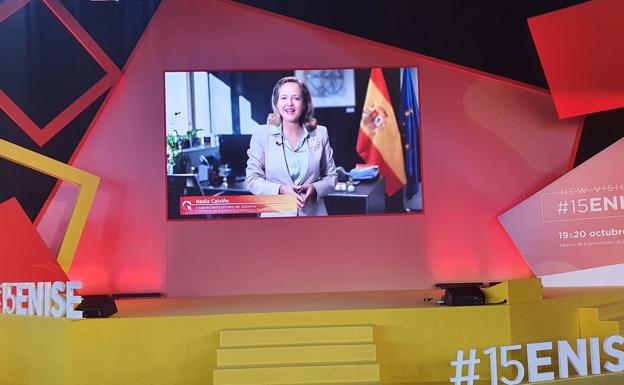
9	7
582	54
487	144
24	256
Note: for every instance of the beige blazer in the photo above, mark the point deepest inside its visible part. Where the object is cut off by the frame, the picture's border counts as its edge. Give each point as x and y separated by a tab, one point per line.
266	166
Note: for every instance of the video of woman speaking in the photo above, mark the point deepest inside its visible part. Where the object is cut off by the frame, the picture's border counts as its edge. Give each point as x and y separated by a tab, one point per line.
258	144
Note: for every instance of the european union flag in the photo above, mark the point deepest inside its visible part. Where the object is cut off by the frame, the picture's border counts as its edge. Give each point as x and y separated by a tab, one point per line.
409	119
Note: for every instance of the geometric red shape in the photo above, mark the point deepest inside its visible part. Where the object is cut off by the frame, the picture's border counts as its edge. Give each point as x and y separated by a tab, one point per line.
44	134
24	256
577	221
582	54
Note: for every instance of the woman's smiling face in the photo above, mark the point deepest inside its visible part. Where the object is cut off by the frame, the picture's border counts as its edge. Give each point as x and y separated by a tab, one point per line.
290	102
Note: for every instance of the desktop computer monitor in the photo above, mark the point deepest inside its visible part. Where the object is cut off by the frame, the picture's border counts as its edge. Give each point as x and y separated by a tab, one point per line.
233	152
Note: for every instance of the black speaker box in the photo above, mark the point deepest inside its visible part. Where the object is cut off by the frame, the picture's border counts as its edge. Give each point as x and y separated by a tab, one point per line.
97	306
463	296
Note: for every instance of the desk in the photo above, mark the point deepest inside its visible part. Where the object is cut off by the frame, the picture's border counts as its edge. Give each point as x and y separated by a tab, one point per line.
236	188
368	197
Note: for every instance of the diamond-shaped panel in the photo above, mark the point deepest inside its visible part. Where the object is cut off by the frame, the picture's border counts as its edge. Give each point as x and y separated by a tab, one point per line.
43	134
35	36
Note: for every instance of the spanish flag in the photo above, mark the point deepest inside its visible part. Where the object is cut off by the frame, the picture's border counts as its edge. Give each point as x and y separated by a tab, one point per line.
379	140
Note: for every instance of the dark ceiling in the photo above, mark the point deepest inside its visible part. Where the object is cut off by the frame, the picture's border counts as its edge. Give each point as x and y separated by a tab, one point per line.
488	35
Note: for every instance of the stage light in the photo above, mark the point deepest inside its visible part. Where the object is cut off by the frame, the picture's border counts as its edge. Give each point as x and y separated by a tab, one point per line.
463	296
97	306
462	293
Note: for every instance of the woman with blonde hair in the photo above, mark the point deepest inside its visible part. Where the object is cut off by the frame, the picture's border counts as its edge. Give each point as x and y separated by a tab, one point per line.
291	153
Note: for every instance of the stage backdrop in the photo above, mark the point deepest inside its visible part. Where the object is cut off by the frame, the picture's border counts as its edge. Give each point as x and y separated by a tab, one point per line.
487	144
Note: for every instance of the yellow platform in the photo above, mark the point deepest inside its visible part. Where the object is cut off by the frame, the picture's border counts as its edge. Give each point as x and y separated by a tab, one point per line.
297	355
291	355
395	337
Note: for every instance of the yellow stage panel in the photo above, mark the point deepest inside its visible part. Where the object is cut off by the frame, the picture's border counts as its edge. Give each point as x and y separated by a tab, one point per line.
515	292
32	350
291	375
592	326
296	336
413	345
296	355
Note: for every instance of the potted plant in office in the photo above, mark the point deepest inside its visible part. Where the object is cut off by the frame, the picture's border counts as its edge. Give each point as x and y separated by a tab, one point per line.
175	159
185	143
192	137
182	164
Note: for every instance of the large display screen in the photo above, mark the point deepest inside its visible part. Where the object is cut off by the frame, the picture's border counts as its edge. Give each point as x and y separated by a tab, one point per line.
292	143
